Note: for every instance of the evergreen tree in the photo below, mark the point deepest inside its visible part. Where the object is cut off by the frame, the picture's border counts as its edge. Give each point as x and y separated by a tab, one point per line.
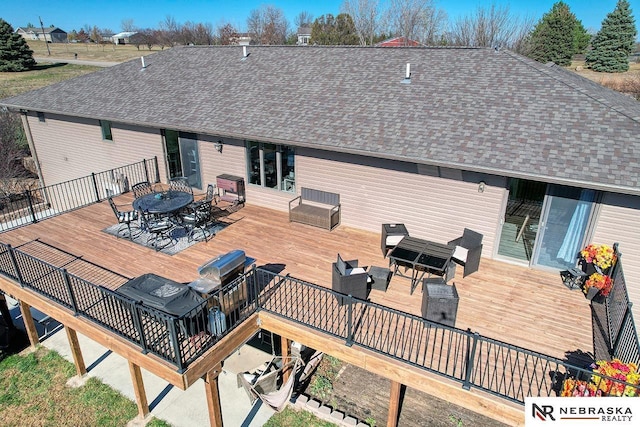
15	54
558	36
614	42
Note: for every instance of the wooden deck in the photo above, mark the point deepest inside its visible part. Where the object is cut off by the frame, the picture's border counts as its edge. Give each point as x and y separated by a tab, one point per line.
517	305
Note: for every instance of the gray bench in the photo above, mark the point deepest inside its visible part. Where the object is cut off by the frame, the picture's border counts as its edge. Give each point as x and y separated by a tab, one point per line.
315	207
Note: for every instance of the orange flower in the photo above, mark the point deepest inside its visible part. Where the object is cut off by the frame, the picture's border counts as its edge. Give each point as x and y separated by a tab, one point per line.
600	281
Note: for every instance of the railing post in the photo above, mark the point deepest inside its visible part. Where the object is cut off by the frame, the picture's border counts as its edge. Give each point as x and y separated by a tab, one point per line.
349	321
137	322
72	297
14	261
255	285
471	354
146	170
31	209
155	162
625	319
173	336
95	186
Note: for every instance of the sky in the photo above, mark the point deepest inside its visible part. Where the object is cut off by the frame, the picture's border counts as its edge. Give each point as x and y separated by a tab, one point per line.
109	14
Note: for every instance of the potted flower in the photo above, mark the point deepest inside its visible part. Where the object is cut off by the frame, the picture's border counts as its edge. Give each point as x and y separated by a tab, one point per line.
597	257
608	379
597	284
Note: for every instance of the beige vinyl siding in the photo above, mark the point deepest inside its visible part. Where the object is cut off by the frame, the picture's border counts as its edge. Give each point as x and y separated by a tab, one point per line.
618	222
82	150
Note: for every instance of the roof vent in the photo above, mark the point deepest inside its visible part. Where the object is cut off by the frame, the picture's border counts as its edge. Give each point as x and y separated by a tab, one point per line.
143	64
407	75
244	53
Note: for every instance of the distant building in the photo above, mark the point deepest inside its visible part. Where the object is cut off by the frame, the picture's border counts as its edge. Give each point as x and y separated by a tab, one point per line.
123	37
304	36
398	42
51	34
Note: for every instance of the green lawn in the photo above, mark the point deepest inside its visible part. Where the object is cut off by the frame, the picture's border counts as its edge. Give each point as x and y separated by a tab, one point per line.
33	392
43	75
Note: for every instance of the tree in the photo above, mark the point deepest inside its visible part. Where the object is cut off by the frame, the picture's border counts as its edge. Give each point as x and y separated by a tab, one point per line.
558	36
415	19
268	25
13	147
327	30
303	19
614	42
227	34
366	18
128	25
15	54
489	27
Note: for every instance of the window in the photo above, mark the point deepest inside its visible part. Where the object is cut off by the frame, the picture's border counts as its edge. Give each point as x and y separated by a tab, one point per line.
271	166
106	130
40	116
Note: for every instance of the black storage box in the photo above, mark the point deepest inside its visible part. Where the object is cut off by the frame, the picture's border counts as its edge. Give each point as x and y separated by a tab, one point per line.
439	301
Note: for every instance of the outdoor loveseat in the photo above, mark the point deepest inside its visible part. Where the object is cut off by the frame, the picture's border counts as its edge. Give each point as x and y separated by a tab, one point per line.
316	207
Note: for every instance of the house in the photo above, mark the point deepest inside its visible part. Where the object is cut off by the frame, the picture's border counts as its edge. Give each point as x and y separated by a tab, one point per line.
122	38
398	42
537	159
50	34
304	36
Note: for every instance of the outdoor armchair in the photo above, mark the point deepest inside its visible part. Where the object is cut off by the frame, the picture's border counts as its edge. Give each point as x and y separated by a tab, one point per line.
180	184
141	188
349	279
468	249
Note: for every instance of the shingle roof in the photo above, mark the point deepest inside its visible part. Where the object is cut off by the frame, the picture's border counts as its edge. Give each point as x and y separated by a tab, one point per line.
475	109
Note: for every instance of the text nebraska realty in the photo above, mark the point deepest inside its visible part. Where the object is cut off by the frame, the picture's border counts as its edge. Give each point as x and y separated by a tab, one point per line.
605	414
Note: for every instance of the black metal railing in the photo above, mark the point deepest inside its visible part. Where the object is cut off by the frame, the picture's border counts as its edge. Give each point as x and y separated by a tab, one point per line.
614	320
502	369
177	339
41	203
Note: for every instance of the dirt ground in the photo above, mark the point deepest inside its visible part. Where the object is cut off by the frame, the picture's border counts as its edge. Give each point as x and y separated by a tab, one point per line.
365	396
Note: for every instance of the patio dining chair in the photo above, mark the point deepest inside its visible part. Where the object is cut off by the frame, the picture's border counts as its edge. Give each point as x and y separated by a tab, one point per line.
142	188
125	219
180	184
160	229
197	218
468	249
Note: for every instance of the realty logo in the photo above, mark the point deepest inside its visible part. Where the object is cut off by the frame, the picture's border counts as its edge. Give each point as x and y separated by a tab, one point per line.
542	412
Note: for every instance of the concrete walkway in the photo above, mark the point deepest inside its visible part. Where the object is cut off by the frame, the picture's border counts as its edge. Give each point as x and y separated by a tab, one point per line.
179	408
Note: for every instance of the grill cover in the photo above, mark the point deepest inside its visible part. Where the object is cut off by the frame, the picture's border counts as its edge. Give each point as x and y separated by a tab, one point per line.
223	267
161	293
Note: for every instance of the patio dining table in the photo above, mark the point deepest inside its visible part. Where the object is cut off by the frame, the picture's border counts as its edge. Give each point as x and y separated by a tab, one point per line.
422	256
166	202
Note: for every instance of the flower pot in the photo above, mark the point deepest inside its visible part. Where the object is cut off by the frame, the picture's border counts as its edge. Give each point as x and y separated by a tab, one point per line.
592	293
588	268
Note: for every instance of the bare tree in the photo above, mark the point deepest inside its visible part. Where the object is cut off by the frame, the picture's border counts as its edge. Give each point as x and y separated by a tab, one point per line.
128	25
186	33
169	31
12	151
203	34
303	19
415	19
366	18
490	27
268	25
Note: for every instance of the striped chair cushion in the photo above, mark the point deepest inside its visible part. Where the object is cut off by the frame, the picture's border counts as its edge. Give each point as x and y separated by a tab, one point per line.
127	216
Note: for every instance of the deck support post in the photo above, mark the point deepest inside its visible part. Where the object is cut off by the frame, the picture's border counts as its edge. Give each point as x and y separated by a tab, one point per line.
29	324
285	346
76	352
213	395
394	404
138	389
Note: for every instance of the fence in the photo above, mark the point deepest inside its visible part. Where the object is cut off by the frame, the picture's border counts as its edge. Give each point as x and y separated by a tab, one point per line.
177	339
45	202
499	368
613	320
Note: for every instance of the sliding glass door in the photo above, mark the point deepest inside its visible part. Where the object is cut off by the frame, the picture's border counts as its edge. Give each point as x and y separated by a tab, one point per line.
566	219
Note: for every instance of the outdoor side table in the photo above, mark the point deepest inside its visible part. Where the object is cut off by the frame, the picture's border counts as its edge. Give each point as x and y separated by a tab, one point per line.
573	278
380	277
439	301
